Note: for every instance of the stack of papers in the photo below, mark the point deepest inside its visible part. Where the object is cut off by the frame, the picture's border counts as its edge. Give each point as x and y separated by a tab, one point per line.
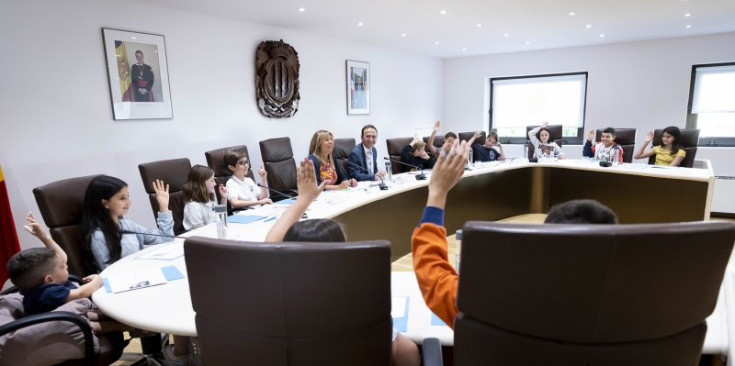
135	280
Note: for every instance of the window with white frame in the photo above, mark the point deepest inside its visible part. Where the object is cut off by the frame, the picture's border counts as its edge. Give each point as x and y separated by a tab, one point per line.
517	102
712	103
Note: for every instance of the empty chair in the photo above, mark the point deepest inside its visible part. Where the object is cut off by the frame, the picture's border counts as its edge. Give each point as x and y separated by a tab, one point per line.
688	141
342	149
555	135
625	137
280	165
394	151
292	303
588	294
216	161
466	136
61	204
174	172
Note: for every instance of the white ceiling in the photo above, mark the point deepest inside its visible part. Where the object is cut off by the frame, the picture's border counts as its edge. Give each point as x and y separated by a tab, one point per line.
530	24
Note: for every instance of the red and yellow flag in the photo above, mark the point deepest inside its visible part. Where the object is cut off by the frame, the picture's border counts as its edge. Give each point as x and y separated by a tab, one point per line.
8	236
123	71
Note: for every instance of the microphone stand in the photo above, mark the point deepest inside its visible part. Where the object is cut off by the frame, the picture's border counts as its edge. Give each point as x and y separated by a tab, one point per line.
274	191
420	176
382	185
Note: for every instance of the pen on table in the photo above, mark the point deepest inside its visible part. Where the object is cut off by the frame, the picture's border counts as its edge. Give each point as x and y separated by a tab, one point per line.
269	219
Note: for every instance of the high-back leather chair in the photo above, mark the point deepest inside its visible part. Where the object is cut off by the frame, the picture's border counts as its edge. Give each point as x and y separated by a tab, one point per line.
688	141
342	149
466	136
216	161
588	294
394	151
280	165
293	303
438	141
174	173
555	135
625	137
61	204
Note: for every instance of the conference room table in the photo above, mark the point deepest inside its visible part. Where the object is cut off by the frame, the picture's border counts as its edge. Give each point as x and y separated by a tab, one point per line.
488	191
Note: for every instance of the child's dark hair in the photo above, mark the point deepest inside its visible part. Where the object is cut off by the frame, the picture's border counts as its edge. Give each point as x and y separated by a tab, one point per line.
315	230
538	134
609	130
676	133
581	212
96	216
450	134
194	188
27	268
233	156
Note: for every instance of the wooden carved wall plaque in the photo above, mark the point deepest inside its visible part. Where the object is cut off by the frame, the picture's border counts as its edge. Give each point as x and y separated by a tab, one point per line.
277	79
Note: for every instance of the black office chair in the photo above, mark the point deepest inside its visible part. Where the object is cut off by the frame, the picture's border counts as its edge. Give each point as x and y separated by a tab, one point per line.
394	151
342	149
625	137
555	135
466	136
216	161
588	294
688	141
280	165
293	303
174	173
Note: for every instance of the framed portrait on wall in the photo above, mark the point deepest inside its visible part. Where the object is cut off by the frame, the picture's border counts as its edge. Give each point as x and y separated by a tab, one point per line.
358	87
137	71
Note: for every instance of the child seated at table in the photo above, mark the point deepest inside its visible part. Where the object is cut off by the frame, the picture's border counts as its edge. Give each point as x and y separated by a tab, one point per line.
606	149
200	199
288	228
42	276
243	192
437	279
491	150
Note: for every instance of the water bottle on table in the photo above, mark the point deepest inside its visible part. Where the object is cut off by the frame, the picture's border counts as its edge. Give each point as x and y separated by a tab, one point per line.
221	211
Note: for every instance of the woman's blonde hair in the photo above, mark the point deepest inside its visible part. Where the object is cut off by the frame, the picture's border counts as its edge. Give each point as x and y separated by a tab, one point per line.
315	147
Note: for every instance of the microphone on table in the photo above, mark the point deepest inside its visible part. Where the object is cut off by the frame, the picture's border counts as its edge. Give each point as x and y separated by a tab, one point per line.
277	192
382	184
142	233
420	176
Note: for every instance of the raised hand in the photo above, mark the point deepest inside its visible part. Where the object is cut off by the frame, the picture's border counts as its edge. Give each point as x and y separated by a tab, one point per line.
35	228
447	171
436	126
591	135
649	137
262	173
306	181
161	190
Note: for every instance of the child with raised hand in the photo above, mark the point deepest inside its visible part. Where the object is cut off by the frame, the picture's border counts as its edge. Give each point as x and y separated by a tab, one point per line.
288	228
243	192
199	194
606	149
543	146
669	152
42	275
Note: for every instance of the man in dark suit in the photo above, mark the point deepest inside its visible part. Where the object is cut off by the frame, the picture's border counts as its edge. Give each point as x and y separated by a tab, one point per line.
142	77
366	156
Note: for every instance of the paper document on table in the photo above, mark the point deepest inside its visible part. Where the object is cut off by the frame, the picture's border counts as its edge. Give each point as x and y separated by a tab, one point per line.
165	252
127	281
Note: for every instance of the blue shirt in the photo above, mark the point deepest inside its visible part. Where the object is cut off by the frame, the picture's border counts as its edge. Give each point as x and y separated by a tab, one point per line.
46	297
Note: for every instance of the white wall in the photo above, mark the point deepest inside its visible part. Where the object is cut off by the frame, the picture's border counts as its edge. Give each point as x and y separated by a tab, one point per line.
56	119
637	84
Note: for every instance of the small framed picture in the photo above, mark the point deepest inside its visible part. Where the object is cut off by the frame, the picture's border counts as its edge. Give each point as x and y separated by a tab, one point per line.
137	70
358	87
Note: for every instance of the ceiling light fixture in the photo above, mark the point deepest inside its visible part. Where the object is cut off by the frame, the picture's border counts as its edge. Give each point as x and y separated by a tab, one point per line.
602	35
571	13
506	35
688	26
404	35
687	15
302	9
479	25
528	43
588	26
443	12
436	42
360	24
464	49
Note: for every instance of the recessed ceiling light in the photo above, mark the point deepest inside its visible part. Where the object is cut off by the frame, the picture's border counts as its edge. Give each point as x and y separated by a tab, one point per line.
688	26
404	35
443	12
528	43
687	15
360	24
571	13
479	25
133	37
464	49
506	35
302	9
436	42
602	35
588	26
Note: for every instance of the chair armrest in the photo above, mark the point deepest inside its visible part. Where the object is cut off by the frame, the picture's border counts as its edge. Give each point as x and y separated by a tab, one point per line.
431	350
81	322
